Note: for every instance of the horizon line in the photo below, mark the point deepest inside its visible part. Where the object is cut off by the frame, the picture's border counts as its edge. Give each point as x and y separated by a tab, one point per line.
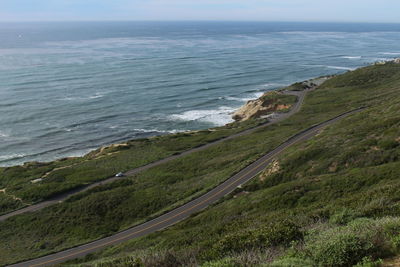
199	20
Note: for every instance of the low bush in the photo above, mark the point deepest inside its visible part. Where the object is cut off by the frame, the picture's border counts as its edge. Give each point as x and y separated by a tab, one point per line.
344	216
275	234
226	262
292	262
351	244
9	203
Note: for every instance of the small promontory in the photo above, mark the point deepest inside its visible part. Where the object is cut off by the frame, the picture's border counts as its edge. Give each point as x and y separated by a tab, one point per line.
264	106
276	101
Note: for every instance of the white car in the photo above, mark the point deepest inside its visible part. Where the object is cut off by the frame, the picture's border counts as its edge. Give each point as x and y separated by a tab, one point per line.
120	174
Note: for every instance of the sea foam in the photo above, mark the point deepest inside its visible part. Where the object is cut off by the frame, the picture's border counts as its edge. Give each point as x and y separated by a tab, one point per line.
389	53
217	117
4	158
330	67
351	57
81	98
339	68
158	131
243	99
3	135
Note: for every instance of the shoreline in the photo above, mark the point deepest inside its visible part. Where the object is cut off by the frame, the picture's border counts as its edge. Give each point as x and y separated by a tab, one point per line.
65	194
306	84
101	148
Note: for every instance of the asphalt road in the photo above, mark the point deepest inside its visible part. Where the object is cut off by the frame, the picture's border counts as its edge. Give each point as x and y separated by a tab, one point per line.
64	196
186	210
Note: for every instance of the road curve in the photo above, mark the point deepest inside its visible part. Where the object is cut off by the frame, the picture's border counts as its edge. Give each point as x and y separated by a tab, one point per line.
186	210
64	196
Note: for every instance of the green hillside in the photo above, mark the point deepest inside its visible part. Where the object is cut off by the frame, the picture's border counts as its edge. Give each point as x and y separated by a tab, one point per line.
330	201
71	173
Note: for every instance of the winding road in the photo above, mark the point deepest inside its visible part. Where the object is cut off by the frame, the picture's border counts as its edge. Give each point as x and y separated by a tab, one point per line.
61	197
189	208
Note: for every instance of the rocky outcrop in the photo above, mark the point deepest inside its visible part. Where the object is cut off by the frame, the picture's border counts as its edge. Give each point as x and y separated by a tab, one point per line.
312	83
267	104
395	61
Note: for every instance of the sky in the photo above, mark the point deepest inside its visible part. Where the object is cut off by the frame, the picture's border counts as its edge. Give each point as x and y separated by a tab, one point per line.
173	10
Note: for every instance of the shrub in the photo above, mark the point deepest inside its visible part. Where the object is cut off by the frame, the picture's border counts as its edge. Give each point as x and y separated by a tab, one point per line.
226	262
339	250
368	262
391	227
344	216
349	245
388	144
121	262
292	262
276	234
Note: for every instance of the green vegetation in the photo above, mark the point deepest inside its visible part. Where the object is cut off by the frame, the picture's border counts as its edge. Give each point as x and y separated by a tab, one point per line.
8	202
330	201
273	234
299	86
278	99
66	174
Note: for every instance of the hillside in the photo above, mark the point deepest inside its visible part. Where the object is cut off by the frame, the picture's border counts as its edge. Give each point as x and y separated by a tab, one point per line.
18	188
330	201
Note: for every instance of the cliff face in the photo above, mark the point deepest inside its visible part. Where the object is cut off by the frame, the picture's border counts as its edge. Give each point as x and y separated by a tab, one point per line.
260	107
264	106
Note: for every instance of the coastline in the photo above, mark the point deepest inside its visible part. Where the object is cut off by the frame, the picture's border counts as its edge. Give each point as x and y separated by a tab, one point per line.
99	151
307	84
75	109
59	196
297	188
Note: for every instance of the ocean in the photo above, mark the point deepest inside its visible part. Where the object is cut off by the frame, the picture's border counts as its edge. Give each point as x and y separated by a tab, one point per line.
68	88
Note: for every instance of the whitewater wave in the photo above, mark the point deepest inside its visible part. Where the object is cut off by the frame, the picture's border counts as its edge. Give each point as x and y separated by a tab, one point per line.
389	53
330	67
259	94
243	99
237	99
158	131
339	68
9	157
272	85
154	130
79	98
96	96
253	94
218	117
351	57
3	135
376	59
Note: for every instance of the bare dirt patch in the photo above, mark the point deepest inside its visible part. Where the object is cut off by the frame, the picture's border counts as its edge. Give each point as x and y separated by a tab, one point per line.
273	167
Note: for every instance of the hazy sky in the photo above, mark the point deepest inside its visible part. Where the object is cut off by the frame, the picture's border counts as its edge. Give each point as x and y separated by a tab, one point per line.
265	10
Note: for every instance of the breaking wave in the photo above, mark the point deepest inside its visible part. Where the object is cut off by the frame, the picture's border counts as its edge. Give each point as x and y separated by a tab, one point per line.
217	117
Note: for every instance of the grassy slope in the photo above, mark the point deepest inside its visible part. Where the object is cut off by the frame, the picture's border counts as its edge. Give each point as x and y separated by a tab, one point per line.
274	98
151	191
300	192
71	173
340	192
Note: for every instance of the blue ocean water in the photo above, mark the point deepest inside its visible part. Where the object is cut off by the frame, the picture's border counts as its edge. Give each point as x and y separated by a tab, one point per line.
68	88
